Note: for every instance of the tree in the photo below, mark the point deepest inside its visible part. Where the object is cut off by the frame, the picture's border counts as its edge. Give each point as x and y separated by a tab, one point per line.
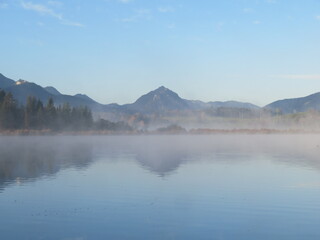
9	112
36	116
50	115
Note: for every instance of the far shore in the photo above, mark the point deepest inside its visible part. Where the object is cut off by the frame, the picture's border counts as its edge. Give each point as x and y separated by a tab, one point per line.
28	132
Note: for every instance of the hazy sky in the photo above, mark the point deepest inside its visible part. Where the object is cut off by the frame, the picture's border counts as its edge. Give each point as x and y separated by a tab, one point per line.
116	50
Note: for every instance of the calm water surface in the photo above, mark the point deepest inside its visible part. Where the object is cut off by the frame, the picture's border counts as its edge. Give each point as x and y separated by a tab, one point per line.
160	187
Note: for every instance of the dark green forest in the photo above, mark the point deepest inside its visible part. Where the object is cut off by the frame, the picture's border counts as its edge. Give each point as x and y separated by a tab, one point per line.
36	115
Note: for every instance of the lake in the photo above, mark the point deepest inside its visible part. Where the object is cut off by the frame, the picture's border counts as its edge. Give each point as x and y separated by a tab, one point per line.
160	187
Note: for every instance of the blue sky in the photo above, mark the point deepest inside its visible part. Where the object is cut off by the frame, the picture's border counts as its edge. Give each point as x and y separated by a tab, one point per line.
116	50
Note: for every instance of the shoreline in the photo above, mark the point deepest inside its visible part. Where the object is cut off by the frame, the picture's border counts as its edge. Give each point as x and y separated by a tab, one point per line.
26	132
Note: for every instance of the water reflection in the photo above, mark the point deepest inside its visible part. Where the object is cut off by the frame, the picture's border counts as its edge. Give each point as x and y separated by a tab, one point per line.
29	158
210	187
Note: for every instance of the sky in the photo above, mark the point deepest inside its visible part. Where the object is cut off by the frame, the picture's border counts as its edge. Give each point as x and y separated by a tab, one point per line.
255	51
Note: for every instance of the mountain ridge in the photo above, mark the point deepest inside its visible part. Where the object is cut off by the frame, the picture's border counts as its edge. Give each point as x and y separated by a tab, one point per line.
160	100
52	90
294	105
6	82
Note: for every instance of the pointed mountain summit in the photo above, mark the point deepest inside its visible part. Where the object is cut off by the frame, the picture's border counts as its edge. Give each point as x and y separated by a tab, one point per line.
160	100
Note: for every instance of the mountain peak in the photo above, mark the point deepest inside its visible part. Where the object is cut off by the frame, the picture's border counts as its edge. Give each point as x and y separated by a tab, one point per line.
162	88
159	100
20	81
163	91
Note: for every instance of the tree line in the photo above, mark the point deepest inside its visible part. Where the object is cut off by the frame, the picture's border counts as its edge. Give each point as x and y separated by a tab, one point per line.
35	115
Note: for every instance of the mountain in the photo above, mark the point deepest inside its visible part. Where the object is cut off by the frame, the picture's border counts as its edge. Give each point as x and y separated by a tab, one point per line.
52	90
85	97
196	104
160	100
163	100
5	82
22	89
293	105
233	104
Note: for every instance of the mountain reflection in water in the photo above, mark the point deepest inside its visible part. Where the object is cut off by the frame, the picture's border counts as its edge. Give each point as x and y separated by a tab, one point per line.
29	158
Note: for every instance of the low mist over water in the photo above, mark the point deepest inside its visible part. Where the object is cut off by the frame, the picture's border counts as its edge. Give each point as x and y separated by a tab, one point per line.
160	187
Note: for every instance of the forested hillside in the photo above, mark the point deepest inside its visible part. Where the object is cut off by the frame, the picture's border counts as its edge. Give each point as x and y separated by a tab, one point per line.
35	115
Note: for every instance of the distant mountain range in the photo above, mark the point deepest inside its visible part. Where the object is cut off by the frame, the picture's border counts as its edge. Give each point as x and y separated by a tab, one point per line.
294	105
160	100
163	99
22	89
